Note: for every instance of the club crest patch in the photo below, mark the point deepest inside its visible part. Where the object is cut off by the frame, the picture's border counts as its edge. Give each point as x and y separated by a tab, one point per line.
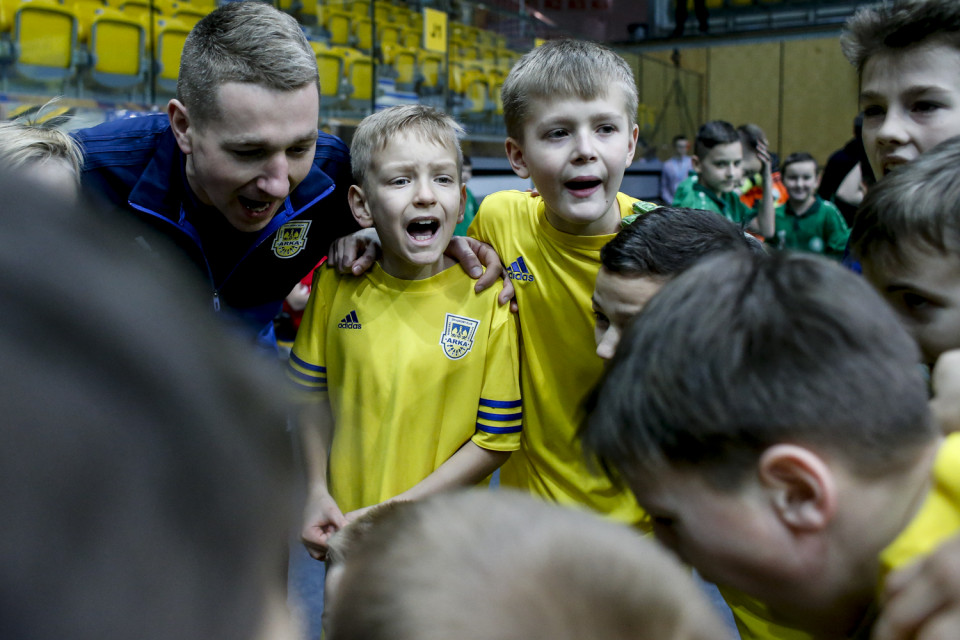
457	337
291	238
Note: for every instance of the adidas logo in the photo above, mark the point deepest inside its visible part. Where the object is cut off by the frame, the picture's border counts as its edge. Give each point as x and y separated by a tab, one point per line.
518	271
350	321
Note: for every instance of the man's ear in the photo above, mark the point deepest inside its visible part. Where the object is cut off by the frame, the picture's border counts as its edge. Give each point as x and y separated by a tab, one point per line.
515	156
802	487
180	125
360	207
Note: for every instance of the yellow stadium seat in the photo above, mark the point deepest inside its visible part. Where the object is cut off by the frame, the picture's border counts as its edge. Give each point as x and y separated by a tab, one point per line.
359	7
86	11
430	66
337	24
403	61
188	12
170	34
118	50
411	38
330	65
45	41
358	73
389	33
142	8
361	33
475	87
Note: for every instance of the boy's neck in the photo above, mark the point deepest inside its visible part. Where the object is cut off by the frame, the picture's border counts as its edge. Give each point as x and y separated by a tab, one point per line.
605	225
716	194
839	593
405	270
800	207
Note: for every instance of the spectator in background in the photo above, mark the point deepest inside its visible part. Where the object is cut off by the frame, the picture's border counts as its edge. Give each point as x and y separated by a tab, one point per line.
682	11
676	169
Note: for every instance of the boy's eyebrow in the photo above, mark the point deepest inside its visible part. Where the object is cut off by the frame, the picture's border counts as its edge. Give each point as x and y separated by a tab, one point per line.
245	140
564	119
909	92
403	165
899	286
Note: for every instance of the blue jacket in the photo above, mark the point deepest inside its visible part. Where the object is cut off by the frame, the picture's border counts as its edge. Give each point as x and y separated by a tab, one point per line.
135	164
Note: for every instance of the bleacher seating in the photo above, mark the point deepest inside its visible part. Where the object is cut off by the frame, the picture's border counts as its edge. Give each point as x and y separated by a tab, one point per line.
45	42
118	51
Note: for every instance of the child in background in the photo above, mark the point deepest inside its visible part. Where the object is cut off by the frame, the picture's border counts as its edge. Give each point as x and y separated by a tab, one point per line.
807	222
780	448
907	238
410	378
647	253
570	111
718	159
676	169
499	566
751	191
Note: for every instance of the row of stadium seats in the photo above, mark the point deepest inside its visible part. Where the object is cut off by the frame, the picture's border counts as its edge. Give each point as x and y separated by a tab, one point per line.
52	41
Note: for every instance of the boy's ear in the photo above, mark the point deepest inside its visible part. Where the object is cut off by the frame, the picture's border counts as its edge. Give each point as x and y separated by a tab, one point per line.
360	207
695	163
801	485
180	125
633	144
463	202
515	156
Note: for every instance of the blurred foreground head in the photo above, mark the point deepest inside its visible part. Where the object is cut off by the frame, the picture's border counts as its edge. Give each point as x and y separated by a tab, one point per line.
481	565
144	467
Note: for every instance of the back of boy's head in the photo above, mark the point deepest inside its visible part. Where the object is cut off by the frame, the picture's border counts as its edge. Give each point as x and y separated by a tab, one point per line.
668	240
24	143
897	26
743	352
799	156
377	129
711	134
560	69
480	565
916	205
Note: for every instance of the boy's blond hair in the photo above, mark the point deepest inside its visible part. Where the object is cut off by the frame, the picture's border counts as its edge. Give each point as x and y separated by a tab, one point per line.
25	142
565	69
344	541
904	23
377	129
501	565
916	205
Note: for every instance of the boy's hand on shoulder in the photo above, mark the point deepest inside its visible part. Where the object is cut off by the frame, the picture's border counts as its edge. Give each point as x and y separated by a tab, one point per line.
471	254
922	600
321	519
355	253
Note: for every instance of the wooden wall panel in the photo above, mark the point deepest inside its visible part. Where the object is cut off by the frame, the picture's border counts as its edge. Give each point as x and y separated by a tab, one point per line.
743	85
819	97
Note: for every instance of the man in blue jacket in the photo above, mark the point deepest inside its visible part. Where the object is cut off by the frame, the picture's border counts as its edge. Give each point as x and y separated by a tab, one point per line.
235	173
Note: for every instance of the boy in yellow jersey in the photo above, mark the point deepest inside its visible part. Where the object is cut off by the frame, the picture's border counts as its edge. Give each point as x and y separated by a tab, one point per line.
779	447
412	377
570	111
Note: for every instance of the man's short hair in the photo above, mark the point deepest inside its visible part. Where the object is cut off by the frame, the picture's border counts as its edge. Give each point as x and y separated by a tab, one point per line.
248	42
713	133
377	129
561	69
25	142
898	25
481	565
146	485
799	156
743	352
678	138
919	202
668	240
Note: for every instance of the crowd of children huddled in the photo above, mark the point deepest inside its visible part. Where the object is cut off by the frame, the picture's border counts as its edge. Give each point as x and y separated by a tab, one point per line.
693	377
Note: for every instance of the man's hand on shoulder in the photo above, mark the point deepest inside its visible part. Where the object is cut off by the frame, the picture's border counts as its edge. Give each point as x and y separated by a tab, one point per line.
355	253
471	254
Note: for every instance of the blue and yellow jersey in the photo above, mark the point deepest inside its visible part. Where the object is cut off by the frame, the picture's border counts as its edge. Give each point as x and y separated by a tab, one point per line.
554	274
413	370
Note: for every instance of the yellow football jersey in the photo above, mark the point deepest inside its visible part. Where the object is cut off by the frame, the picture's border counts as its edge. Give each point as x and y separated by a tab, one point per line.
554	274
413	369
